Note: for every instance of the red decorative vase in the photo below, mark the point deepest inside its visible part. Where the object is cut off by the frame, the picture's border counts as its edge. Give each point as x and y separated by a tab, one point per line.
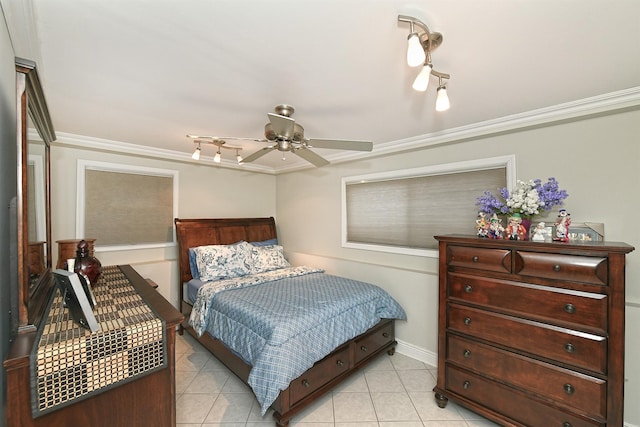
526	223
87	264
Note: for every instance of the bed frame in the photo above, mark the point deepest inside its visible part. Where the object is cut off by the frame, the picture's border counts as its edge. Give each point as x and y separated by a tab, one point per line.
326	373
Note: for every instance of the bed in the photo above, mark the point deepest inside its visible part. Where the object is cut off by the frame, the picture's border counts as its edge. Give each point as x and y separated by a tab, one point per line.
342	343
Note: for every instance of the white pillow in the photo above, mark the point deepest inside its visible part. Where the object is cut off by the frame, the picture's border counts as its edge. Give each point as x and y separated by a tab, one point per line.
267	258
217	262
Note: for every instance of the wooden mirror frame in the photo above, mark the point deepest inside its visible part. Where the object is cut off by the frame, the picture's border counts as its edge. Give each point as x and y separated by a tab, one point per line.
33	295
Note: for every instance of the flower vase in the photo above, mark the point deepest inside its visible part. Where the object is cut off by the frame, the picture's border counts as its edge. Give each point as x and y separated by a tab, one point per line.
87	264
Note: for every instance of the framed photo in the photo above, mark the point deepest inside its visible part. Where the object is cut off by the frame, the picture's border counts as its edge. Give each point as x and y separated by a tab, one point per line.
586	232
76	299
541	232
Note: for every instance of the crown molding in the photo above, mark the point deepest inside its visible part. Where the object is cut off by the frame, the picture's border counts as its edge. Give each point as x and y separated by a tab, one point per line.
598	105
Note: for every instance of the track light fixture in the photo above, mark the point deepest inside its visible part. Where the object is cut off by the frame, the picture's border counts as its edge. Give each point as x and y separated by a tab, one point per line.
419	48
219	143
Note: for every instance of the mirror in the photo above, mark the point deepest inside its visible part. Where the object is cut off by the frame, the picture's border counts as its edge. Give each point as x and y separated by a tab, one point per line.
33	207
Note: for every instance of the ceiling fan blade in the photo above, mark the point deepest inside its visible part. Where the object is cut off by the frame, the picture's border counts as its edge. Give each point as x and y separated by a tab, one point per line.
311	157
281	125
205	138
341	145
257	154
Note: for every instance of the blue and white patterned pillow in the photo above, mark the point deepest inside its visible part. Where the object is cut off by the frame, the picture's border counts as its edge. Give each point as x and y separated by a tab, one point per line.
217	262
267	258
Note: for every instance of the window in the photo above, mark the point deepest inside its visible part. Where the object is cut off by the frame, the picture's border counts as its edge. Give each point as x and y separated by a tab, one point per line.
126	207
401	211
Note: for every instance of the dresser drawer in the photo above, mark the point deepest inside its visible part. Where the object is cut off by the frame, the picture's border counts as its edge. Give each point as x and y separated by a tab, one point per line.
515	405
565	345
369	344
574	268
479	258
580	308
321	373
585	393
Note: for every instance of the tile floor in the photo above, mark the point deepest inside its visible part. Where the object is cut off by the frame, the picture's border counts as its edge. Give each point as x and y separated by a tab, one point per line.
393	391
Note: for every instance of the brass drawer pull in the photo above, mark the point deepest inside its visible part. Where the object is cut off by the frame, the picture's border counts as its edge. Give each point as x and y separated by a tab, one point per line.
566	424
466	385
475	259
569	348
570	308
467	321
556	268
340	363
466	353
363	348
385	334
305	383
468	289
569	389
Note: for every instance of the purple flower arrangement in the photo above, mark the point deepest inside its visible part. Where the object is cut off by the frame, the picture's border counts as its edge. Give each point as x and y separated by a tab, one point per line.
528	198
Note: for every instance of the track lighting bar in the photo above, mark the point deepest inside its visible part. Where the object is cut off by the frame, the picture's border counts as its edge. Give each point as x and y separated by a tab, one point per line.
220	144
419	47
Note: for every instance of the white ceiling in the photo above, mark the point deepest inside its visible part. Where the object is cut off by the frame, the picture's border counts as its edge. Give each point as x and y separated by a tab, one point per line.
147	72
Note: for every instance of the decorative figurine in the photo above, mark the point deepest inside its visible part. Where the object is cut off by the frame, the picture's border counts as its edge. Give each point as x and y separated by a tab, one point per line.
482	226
537	235
562	226
515	230
496	229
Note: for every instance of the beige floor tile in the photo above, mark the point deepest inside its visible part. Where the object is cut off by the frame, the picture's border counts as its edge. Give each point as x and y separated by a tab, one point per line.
384	381
230	408
193	408
350	407
394	407
417	380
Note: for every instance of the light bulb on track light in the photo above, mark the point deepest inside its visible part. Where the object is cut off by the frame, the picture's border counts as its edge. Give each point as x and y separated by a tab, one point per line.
422	80
415	51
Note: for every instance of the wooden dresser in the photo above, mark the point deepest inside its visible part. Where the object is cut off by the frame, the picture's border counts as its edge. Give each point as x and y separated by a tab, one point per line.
147	400
531	333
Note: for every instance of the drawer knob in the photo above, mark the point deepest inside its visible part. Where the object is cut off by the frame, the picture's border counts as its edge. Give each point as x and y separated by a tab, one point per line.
466	385
556	267
468	289
467	321
305	383
385	334
570	308
566	424
363	348
569	348
466	353
340	363
569	389
475	259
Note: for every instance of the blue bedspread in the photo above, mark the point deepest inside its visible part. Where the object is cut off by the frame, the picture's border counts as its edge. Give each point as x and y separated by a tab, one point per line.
281	326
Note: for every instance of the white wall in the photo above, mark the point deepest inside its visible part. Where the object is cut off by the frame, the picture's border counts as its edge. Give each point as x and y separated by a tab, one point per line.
596	160
204	192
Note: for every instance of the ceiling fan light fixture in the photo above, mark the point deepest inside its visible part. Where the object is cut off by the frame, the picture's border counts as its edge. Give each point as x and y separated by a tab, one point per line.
420	44
238	157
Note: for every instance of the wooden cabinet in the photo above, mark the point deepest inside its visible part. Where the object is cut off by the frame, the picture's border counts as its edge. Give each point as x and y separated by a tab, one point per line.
530	333
147	400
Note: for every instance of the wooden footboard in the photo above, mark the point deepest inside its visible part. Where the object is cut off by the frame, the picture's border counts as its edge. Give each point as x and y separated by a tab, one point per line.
319	379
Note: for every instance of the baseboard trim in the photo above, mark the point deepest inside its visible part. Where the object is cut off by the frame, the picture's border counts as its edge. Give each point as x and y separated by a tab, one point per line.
421	354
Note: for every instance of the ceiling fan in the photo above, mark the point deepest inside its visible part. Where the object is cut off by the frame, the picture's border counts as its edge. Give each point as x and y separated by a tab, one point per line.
282	133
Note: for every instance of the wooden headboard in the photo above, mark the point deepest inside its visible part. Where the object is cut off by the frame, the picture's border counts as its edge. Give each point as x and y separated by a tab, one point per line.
222	231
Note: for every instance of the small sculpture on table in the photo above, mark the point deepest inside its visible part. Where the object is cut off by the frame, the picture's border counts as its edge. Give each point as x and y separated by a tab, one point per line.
482	225
538	233
496	229
515	230
87	264
561	227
